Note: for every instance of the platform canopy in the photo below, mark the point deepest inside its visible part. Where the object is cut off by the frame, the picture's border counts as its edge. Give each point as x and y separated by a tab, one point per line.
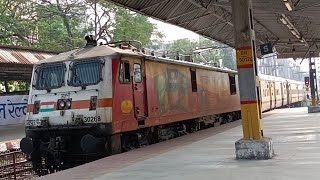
16	62
291	26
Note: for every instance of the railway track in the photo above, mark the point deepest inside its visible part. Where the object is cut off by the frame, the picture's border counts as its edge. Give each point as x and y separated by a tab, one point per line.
14	164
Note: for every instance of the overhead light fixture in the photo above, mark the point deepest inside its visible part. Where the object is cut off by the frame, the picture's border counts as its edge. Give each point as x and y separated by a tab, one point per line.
293	32
283	21
289	26
286	21
288	4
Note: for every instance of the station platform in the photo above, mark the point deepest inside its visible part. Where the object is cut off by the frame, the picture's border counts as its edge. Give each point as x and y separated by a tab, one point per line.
210	154
12	131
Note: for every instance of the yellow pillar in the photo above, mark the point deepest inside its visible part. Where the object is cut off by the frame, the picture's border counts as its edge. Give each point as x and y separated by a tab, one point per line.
250	121
247	72
253	145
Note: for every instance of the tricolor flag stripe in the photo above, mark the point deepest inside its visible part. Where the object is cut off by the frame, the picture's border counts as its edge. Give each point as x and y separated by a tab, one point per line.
47	107
47	110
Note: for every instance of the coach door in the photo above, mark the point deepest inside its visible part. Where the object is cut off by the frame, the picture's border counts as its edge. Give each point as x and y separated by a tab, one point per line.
282	94
270	93
138	85
274	95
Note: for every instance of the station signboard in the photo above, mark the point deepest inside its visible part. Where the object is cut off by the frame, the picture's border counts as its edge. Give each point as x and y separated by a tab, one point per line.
266	49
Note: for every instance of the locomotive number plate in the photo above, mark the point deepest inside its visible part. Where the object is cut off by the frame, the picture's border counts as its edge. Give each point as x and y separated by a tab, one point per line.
36	122
91	119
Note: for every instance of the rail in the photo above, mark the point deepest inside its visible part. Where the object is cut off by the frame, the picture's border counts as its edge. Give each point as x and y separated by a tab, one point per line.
14	164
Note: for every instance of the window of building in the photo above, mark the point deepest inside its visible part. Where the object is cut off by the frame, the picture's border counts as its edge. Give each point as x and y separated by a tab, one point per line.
137	73
193	80
124	73
232	82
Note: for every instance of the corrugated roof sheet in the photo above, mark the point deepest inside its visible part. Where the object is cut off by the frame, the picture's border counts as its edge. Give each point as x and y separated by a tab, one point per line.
213	19
21	55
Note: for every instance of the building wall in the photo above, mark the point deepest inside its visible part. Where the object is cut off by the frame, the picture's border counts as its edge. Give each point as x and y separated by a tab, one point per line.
285	68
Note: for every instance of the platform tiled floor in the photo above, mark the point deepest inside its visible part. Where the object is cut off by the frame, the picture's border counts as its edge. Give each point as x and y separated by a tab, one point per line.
11	132
210	154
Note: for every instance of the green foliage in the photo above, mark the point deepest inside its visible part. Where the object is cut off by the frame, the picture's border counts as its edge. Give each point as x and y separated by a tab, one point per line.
16	22
212	53
132	26
61	25
187	47
183	46
229	58
14	86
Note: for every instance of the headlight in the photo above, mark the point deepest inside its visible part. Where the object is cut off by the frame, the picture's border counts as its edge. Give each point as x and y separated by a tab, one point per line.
68	104
61	105
64	104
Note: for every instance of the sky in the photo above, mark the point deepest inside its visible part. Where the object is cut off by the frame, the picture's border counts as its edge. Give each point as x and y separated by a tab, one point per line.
173	32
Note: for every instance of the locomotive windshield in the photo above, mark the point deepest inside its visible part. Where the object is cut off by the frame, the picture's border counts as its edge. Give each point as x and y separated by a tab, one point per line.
50	76
86	73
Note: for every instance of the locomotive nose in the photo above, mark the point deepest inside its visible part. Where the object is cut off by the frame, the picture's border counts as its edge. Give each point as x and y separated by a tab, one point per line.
26	145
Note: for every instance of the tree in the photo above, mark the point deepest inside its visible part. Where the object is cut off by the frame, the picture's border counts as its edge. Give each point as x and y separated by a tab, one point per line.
101	18
17	22
229	58
61	24
132	26
183	46
14	86
206	51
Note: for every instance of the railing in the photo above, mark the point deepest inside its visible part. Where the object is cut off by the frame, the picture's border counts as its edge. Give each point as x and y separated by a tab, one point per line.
14	165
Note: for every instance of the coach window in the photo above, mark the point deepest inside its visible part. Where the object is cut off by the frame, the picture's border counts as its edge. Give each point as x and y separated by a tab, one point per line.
137	73
193	80
232	82
124	76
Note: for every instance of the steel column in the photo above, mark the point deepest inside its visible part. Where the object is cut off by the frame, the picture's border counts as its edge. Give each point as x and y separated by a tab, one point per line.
313	78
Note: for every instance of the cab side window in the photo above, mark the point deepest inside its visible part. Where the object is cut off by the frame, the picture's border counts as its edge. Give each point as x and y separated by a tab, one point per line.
124	72
137	73
232	83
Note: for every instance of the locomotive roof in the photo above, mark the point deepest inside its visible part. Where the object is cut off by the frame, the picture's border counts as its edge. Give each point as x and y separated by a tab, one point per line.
190	64
103	50
89	52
